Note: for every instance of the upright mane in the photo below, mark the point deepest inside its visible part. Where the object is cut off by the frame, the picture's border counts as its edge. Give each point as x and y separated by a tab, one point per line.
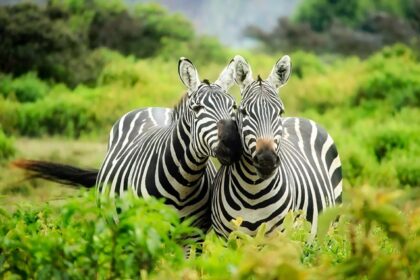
179	108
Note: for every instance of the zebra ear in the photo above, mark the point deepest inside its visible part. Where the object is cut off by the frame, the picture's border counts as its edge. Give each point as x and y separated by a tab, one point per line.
227	77
188	74
281	72
243	72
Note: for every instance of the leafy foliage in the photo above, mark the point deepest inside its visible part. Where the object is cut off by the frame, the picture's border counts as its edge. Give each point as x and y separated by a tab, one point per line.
141	33
320	14
36	39
26	88
79	240
58	41
358	27
394	78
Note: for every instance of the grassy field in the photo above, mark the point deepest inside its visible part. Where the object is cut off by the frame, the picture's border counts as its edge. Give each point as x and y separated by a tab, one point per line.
15	190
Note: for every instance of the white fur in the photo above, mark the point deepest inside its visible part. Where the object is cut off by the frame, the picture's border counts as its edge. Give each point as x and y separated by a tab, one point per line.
227	77
281	72
243	72
188	74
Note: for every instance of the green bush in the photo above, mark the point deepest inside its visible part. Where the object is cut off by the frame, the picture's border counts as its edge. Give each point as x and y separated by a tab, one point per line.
41	39
26	88
387	141
79	240
65	115
408	170
121	70
394	77
305	64
58	40
201	50
320	14
7	149
353	27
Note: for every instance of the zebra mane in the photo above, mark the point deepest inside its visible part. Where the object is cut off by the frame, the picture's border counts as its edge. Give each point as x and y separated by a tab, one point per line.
179	107
207	82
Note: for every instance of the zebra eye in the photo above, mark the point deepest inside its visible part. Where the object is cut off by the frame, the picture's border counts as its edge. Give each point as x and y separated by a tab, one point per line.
281	113
196	108
243	111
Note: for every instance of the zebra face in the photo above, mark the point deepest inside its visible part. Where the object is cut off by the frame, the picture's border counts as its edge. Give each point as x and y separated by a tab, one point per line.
260	119
212	114
213	126
261	126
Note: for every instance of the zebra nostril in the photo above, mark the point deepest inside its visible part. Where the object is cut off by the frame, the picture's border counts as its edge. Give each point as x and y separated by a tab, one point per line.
266	159
255	159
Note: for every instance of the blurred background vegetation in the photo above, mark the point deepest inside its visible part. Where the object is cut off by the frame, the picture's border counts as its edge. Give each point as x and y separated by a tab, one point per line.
70	68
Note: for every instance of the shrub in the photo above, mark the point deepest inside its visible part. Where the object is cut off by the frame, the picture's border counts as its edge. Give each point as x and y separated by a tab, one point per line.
7	149
65	115
79	240
387	141
408	170
354	27
26	88
305	64
320	14
201	50
121	71
393	77
58	40
38	39
323	87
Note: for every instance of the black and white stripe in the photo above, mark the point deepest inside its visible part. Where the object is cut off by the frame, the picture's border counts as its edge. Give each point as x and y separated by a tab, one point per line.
287	163
165	153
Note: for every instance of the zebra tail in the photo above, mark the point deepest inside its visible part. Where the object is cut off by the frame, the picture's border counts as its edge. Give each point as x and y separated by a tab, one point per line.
60	173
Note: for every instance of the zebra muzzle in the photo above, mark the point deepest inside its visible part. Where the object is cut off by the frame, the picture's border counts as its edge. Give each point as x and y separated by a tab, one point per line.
266	162
229	148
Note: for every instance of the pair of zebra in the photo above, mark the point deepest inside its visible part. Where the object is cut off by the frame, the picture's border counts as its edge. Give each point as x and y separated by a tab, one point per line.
271	164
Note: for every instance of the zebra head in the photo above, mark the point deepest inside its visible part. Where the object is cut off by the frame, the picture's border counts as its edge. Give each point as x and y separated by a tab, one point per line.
260	114
211	111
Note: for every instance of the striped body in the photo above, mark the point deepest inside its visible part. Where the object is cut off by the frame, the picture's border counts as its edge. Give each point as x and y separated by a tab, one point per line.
287	163
308	178
165	153
150	153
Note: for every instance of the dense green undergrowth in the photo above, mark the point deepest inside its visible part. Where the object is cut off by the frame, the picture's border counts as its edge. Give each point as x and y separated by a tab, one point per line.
375	237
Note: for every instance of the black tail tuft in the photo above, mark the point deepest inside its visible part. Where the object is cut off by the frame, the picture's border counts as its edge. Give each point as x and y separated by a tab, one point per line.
60	173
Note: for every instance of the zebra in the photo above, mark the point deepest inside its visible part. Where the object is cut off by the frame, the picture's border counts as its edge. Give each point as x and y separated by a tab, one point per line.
164	153
287	163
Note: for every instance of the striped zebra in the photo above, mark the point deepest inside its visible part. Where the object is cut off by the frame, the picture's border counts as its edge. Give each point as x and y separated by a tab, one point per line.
165	153
287	163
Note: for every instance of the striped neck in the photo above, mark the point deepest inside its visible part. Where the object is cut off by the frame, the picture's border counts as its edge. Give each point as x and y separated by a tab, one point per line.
248	171
186	167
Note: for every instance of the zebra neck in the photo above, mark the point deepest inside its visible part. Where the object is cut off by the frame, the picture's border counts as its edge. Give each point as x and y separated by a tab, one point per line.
187	167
